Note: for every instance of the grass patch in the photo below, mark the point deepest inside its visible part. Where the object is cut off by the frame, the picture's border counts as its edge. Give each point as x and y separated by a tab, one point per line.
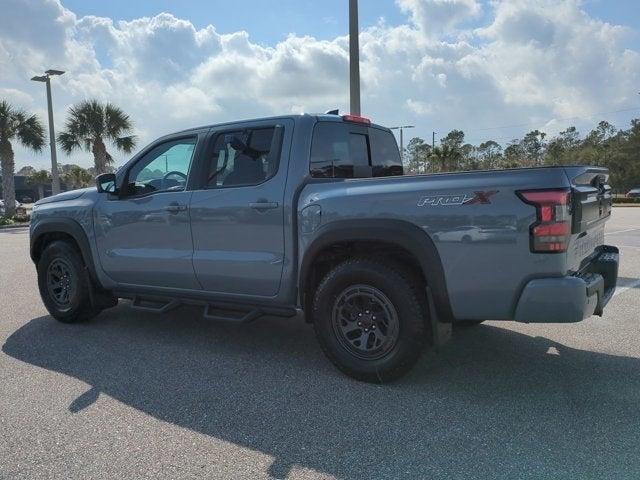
6	221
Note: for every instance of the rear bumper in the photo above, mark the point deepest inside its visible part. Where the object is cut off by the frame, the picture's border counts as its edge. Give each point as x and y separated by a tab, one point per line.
573	298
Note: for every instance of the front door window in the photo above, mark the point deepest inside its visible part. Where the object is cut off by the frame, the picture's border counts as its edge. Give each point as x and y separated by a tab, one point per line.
164	168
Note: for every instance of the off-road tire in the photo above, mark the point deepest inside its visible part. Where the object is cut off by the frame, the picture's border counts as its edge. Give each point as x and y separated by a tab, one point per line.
404	293
78	307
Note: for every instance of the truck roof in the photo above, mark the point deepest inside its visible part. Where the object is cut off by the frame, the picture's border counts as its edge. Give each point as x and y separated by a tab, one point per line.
320	117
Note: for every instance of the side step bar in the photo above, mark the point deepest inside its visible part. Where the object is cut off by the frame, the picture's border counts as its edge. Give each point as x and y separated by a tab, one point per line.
154	305
212	311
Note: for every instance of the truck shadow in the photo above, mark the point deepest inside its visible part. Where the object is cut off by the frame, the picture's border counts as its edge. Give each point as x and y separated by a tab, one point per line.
492	404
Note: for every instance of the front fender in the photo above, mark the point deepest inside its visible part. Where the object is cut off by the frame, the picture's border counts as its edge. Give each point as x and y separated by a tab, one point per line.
66	226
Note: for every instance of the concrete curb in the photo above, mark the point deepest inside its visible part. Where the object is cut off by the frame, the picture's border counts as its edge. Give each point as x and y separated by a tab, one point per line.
17	225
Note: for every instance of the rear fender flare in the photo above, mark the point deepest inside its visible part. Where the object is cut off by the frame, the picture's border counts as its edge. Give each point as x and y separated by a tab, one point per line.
396	232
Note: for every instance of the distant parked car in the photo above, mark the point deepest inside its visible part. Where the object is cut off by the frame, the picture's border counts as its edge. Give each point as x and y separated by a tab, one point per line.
21	210
27	200
634	193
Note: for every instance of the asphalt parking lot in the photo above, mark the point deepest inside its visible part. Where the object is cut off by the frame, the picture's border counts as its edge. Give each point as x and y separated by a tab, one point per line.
133	395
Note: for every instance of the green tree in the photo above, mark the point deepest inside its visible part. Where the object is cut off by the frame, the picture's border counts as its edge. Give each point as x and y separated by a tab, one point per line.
417	155
16	125
26	171
599	135
490	154
469	158
533	146
40	179
450	155
446	158
623	158
514	155
90	124
76	177
563	149
453	140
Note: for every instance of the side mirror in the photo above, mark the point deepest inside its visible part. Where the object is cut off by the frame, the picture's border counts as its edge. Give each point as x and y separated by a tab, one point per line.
106	183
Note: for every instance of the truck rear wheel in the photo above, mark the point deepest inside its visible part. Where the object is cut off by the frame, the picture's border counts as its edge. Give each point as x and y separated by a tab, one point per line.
64	284
369	318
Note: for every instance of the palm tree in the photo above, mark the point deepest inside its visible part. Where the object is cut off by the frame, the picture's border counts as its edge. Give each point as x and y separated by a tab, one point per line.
40	179
89	124
27	130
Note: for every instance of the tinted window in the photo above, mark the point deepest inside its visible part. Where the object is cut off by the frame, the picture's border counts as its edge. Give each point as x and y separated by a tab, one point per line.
339	152
164	168
242	158
385	155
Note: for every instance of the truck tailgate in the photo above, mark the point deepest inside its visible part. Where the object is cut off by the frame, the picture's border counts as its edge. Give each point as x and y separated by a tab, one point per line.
590	209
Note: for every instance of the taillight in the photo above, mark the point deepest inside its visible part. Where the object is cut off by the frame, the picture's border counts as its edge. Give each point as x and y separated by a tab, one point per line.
356	119
552	230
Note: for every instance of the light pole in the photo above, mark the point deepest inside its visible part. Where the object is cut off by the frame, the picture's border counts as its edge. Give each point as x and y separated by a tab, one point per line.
55	178
354	57
402	138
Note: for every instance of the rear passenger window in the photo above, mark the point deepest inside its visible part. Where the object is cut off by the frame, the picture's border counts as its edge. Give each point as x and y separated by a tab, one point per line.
242	158
338	152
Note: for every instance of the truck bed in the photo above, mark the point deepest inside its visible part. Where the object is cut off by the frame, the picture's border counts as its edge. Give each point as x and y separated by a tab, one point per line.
478	224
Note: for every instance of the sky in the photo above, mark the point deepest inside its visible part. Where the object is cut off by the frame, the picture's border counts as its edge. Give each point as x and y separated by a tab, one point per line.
495	69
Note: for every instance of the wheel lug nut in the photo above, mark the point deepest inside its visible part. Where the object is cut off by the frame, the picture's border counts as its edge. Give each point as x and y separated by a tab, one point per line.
359	324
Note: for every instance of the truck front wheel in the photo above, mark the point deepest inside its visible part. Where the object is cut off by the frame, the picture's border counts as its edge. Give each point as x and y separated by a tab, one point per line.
369	318
64	284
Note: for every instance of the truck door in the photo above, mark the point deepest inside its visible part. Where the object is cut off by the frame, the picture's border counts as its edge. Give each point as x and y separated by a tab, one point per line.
237	214
143	235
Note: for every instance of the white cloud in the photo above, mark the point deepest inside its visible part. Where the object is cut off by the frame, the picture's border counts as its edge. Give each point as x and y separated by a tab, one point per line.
553	55
419	107
435	16
529	62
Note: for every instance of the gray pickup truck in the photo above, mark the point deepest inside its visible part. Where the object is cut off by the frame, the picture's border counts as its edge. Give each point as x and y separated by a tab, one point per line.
312	213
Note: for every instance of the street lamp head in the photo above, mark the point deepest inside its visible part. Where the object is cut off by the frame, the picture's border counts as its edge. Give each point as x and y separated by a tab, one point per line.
54	72
39	78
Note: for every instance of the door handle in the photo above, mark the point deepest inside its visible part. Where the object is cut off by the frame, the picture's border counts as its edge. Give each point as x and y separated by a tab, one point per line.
263	206
176	208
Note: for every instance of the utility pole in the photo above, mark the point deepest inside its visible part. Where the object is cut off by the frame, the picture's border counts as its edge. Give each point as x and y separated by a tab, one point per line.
354	57
55	177
402	138
433	141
